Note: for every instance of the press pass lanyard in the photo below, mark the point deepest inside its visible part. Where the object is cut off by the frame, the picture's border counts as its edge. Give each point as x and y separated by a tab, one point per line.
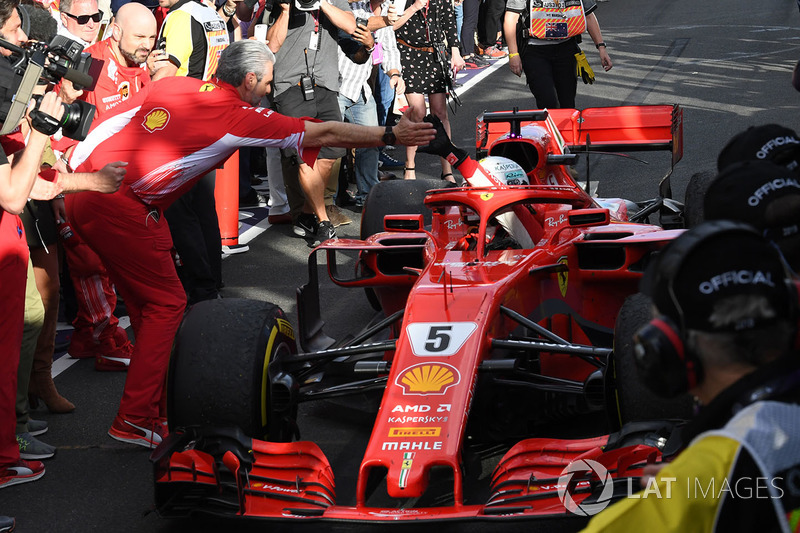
313	42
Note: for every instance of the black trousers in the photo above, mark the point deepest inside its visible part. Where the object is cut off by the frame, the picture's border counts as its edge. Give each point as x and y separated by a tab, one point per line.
550	73
490	21
468	25
195	233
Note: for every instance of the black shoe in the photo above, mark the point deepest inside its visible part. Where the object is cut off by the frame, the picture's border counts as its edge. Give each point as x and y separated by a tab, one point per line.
326	231
387	161
305	225
6	524
252	199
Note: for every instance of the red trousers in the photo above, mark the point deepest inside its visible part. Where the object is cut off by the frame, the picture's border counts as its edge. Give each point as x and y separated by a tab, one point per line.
13	275
134	243
93	290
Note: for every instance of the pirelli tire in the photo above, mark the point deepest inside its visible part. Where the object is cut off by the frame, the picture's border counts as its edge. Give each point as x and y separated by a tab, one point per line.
630	399
394	197
693	211
218	373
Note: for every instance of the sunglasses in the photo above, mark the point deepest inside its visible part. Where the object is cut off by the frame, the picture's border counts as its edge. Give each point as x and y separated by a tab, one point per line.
84	19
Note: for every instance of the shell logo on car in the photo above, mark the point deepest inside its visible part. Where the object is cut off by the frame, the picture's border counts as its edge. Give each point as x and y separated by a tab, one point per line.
428	379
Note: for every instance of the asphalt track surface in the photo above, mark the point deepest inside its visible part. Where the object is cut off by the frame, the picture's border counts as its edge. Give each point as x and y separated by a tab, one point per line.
727	63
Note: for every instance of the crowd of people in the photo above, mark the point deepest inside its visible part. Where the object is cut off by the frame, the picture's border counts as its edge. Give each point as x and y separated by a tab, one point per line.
298	84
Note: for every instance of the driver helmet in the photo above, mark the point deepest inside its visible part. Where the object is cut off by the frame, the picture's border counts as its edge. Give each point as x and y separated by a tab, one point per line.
505	170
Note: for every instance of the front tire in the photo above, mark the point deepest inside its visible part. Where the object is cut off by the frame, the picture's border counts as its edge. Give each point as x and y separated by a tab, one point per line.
630	399
218	370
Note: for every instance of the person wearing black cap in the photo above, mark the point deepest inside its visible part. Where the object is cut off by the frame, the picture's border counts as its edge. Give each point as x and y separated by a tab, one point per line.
763	194
769	142
724	325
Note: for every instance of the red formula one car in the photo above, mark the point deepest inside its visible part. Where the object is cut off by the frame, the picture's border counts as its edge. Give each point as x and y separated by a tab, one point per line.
497	312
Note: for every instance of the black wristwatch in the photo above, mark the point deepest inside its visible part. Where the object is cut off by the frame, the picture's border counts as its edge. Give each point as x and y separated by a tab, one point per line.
388	137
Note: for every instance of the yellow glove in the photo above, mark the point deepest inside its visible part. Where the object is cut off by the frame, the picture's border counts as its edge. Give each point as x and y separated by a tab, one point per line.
583	70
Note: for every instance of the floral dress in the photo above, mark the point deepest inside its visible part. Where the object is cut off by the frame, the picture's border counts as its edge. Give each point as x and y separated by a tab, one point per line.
422	71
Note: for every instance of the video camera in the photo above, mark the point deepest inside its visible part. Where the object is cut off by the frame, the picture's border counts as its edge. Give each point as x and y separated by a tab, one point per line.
34	61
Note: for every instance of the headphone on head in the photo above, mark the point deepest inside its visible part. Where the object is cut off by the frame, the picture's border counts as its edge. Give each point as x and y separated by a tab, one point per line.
665	363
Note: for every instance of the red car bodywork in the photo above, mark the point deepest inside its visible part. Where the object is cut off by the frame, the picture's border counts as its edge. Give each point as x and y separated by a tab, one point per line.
467	311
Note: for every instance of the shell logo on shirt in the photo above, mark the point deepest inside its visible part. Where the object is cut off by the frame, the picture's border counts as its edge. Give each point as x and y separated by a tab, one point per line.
124	90
155	120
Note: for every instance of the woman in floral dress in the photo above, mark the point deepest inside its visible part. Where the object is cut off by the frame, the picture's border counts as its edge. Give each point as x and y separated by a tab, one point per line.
422	27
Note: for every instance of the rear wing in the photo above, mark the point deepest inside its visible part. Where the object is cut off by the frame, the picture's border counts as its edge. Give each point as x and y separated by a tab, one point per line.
609	129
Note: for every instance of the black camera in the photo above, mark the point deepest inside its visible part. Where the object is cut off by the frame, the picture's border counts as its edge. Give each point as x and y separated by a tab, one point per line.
36	61
65	56
307	5
74	123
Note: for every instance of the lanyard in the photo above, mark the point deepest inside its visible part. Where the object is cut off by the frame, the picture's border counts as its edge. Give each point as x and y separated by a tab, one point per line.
315	14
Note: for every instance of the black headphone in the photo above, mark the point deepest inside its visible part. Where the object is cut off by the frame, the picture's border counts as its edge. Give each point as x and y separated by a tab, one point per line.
664	362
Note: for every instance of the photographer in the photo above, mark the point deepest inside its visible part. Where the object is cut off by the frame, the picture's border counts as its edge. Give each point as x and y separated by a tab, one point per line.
15	187
303	37
18	182
164	132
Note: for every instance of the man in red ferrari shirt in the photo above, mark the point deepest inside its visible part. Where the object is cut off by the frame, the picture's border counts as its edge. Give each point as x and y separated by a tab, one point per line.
120	70
172	133
120	62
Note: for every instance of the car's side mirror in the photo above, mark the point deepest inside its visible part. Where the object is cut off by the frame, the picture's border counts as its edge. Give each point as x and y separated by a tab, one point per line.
584	218
403	222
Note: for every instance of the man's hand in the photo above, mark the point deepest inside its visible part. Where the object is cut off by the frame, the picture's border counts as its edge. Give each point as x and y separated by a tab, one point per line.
58	209
364	36
45	190
68	92
156	60
391	15
109	178
410	133
441	145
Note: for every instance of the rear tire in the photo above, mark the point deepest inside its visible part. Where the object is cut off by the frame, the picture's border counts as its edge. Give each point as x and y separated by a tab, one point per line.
693	211
396	197
632	400
218	371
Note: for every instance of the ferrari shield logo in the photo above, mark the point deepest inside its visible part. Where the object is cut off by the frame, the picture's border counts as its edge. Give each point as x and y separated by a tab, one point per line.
206	87
408	460
487	196
563	277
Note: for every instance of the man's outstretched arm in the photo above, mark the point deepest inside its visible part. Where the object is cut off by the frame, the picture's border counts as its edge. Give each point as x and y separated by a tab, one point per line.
341	134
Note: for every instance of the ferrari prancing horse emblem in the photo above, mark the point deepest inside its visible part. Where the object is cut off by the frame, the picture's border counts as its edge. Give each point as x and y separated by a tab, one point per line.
563	276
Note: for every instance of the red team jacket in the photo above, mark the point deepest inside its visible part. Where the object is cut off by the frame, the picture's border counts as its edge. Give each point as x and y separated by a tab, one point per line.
177	129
